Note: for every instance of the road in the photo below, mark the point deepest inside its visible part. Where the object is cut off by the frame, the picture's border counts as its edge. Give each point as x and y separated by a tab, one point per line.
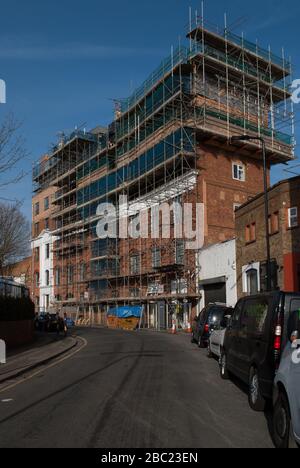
131	390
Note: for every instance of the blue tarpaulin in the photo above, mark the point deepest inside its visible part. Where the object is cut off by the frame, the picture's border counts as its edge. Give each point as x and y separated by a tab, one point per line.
126	312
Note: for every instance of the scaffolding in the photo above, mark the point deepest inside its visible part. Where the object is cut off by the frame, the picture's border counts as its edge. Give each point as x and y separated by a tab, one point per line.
218	86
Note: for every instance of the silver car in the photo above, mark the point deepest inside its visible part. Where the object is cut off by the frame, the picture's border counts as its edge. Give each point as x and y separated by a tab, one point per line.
216	339
286	416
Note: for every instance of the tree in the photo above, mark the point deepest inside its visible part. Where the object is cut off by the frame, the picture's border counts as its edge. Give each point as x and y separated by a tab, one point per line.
14	235
12	151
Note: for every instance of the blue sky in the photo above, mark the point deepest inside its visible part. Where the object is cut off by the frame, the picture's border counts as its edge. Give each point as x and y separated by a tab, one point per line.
64	62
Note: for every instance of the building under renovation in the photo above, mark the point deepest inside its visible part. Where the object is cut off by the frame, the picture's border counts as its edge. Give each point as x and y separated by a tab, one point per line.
170	141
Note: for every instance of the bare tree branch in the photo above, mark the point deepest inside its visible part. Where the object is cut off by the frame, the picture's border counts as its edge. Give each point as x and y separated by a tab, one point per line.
14	235
12	150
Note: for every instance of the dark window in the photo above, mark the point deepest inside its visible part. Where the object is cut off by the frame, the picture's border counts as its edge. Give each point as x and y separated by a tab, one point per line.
47	251
57	276
70	273
47	278
235	321
37	279
37	254
135	265
180	251
82	272
36	229
254	316
252	281
47	223
37	209
46	203
156	257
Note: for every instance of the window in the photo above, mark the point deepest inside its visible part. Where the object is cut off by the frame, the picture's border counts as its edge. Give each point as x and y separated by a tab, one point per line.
47	223
46	203
252	281
37	279
238	172
82	272
156	257
57	276
70	273
47	276
134	292
254	316
37	209
236	315
36	229
47	251
135	265
37	254
179	252
250	233
293	217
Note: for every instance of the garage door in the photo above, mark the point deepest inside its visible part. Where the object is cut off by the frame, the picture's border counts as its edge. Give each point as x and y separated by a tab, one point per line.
215	293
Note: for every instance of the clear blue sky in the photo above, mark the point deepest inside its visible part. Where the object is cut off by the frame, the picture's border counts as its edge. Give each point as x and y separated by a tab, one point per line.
64	61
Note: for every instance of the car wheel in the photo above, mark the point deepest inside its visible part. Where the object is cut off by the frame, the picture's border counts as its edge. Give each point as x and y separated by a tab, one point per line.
282	424
223	367
209	353
256	400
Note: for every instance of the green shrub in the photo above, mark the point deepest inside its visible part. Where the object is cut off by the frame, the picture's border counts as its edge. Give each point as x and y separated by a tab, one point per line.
16	309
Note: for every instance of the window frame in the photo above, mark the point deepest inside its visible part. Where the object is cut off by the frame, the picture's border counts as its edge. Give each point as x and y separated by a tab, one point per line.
241	172
290	217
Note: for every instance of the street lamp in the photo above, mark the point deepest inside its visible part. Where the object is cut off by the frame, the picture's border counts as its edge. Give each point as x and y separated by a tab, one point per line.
266	195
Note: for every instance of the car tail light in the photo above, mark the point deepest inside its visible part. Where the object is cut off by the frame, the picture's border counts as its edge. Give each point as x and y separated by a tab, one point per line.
278	341
206	328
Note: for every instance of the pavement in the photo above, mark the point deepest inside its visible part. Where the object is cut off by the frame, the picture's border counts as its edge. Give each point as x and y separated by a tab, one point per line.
130	390
45	348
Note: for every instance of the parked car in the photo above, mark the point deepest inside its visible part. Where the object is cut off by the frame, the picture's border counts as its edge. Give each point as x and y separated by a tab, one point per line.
254	341
206	322
217	337
53	323
41	322
286	397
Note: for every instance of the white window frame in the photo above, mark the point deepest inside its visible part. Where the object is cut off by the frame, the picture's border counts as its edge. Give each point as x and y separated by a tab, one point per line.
241	172
293	217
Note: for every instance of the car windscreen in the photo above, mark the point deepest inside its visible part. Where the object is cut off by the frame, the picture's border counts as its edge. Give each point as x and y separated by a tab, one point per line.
216	315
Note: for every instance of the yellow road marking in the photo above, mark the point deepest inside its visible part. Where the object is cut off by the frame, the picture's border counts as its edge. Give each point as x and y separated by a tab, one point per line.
31	376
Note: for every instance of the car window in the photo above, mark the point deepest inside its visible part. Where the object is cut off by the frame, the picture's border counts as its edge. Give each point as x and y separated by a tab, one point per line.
254	316
235	320
295	306
216	315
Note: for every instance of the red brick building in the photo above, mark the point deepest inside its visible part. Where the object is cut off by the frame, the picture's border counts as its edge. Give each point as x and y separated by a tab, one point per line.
284	229
21	272
170	140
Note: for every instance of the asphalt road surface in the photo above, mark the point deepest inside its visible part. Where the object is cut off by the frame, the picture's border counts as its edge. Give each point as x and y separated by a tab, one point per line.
131	390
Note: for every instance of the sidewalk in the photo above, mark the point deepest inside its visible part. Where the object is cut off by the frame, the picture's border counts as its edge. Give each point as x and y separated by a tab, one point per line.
43	350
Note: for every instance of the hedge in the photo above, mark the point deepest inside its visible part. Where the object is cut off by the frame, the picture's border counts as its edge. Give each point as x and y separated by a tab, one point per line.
16	309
